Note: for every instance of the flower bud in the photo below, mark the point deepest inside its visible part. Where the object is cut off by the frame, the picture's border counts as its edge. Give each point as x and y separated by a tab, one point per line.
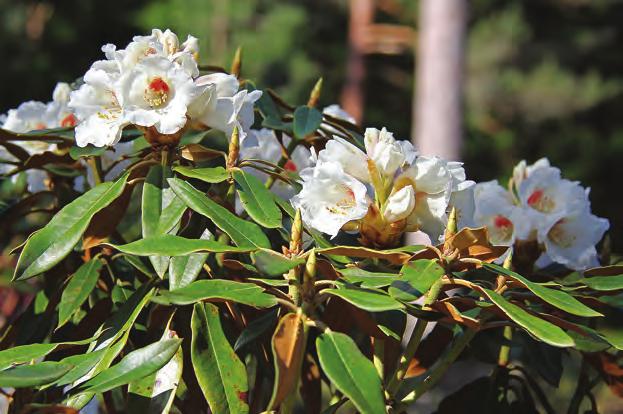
170	42
61	92
314	96
236	64
399	205
234	149
191	45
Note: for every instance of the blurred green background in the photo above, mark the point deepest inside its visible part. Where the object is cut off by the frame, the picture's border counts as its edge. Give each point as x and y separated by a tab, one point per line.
543	77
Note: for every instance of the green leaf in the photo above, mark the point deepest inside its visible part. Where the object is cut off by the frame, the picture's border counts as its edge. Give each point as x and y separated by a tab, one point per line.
26	353
78	289
415	280
556	298
256	328
76	152
220	373
395	256
176	246
82	364
135	365
603	283
351	372
242	232
543	330
217	289
185	269
154	393
161	211
272	263
209	175
48	246
306	121
367	279
257	200
366	299
33	375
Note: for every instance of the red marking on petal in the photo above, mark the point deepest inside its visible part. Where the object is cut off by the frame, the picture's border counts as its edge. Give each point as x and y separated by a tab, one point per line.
535	197
350	193
158	85
502	222
69	121
40	125
290	166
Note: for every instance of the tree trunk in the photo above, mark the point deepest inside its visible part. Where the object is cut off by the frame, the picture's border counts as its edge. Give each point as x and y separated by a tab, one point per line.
438	94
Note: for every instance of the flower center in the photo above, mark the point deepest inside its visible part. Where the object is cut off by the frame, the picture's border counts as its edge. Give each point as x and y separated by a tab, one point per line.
157	92
538	200
558	235
503	228
69	121
290	166
344	204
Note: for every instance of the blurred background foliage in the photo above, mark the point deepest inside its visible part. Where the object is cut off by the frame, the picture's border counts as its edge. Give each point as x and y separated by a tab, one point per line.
543	77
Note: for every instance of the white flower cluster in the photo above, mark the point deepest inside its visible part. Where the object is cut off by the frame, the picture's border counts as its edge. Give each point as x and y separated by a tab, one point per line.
389	188
154	83
32	116
542	206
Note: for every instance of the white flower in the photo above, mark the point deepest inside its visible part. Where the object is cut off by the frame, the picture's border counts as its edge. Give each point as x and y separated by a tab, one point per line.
353	160
97	108
496	210
221	106
387	153
523	170
336	111
571	240
400	204
58	113
29	116
435	181
157	92
330	198
548	195
263	144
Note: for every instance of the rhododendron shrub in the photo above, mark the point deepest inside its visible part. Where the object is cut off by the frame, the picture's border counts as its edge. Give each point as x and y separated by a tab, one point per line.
186	241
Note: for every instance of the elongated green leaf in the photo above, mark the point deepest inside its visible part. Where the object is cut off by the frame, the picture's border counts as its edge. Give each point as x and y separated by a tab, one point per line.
25	353
351	372
161	210
257	200
256	328
395	256
220	373
137	364
154	393
272	263
557	298
76	152
242	232
415	280
603	283
167	244
367	299
33	375
48	246
82	364
209	175
543	330
367	279
185	269
217	289
78	289
306	121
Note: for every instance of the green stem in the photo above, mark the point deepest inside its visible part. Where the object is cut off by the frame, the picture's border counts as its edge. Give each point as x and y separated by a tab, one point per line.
379	356
505	350
291	146
440	369
96	169
414	341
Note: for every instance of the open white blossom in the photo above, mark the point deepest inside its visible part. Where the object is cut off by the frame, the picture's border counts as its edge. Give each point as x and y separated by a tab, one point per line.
546	209
330	198
157	92
387	153
222	106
